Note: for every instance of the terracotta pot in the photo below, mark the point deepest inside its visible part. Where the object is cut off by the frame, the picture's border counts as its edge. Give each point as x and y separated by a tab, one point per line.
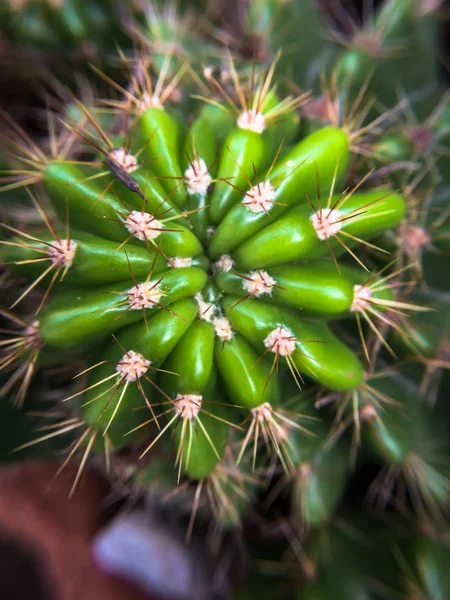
45	538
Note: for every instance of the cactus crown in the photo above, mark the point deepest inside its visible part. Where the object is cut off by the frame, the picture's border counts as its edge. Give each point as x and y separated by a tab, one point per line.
234	264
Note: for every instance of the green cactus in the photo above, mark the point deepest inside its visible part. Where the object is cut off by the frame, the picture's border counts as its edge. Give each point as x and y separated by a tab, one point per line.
50	24
243	270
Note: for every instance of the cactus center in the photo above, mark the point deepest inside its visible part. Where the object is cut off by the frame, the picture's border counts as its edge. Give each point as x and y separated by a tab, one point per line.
62	252
132	366
197	177
144	295
326	222
188	405
205	309
225	264
260	197
142	225
223	329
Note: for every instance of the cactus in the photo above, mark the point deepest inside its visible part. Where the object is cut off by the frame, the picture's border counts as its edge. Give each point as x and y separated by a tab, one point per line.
231	260
47	27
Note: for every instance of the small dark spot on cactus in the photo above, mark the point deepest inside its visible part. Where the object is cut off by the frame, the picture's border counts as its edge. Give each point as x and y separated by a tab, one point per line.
124	177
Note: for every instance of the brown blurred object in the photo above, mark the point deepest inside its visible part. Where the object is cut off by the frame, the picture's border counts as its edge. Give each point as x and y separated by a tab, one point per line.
45	537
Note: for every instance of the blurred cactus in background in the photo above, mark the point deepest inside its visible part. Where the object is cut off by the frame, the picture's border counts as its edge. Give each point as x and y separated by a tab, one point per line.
225	280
